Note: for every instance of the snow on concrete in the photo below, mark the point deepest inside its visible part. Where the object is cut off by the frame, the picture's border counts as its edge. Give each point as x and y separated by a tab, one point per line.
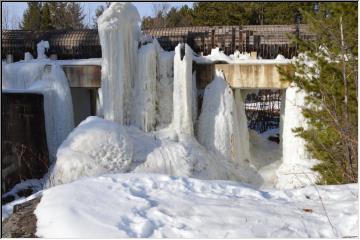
182	94
41	48
159	206
164	88
119	34
32	77
295	170
95	147
143	114
21	75
240	58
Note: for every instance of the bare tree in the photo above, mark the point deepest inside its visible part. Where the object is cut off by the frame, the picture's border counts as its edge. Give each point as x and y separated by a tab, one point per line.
160	11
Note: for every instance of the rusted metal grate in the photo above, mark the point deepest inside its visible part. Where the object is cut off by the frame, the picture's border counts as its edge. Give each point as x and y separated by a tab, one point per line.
266	40
263	110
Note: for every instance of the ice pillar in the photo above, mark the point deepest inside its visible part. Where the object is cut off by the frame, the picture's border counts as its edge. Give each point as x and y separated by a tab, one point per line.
295	170
222	126
293	147
119	34
182	96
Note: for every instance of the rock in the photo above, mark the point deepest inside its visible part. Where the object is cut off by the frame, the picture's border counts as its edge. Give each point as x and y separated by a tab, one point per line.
22	223
7	199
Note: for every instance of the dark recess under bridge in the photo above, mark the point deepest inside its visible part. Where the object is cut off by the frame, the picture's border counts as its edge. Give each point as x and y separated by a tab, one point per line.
266	40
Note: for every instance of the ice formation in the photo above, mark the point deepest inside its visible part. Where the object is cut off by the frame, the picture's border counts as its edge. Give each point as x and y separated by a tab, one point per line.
182	93
221	128
119	35
41	47
96	146
164	88
295	170
31	77
21	75
59	118
144	105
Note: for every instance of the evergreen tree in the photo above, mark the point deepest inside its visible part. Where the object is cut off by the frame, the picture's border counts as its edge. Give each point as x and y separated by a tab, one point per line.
331	87
75	15
32	17
179	17
46	23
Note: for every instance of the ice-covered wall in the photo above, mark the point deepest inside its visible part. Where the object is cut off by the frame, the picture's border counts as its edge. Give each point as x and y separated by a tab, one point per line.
119	35
21	75
31	76
182	96
143	114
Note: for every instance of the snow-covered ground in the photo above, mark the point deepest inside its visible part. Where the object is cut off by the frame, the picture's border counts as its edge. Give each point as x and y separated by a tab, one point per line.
150	205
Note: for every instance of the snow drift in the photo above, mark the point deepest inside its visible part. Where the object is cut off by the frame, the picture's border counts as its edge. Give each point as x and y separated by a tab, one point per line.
95	147
159	206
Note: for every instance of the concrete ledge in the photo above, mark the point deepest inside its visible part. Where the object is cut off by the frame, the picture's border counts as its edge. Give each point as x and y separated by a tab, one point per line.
250	76
85	76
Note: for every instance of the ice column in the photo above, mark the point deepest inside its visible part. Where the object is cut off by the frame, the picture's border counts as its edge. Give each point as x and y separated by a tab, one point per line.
293	146
144	112
295	170
119	35
182	96
221	128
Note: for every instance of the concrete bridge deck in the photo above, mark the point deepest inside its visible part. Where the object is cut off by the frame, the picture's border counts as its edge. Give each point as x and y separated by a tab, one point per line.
238	75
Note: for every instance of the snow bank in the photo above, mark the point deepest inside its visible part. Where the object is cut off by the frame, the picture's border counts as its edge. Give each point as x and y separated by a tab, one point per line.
96	146
158	206
144	106
119	35
295	170
182	94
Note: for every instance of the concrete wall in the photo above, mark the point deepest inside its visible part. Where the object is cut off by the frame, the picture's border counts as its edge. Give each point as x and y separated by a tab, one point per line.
24	148
245	76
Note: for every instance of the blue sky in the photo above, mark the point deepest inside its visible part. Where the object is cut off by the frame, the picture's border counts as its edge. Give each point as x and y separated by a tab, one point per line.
16	9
